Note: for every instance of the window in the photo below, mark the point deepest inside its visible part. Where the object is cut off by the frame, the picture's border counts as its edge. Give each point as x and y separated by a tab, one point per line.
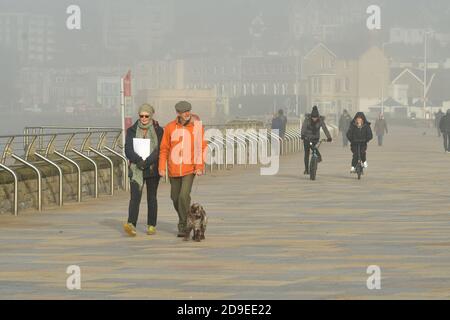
326	85
317	85
337	85
347	85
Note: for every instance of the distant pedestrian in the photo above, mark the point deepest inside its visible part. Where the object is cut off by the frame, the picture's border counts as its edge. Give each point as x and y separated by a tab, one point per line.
381	129
444	125
437	121
279	123
344	124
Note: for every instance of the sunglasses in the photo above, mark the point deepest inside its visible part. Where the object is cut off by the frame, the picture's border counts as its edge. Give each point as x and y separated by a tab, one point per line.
144	116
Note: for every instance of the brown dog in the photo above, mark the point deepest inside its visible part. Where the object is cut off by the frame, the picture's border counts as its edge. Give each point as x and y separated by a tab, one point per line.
196	221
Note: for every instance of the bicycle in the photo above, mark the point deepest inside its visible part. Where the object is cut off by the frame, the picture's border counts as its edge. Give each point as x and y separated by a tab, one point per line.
359	166
314	159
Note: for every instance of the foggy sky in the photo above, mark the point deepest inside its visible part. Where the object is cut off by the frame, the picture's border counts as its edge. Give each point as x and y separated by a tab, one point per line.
214	26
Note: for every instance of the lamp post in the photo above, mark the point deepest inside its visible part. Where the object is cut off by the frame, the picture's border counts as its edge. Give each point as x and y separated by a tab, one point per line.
382	78
298	78
425	71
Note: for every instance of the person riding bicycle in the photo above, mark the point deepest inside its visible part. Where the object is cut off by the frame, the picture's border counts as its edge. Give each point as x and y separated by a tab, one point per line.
311	133
359	134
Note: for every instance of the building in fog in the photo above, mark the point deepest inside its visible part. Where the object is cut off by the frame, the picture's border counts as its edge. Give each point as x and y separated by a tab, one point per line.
268	83
323	20
135	28
29	36
407	88
33	86
108	92
344	78
159	74
85	89
406	35
163	100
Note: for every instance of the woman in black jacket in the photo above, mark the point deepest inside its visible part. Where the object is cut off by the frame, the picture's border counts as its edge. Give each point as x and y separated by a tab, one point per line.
143	171
359	134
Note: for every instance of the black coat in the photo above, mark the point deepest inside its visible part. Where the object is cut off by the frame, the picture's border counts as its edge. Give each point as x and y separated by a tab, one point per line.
444	124
439	116
359	135
344	122
151	163
311	130
279	123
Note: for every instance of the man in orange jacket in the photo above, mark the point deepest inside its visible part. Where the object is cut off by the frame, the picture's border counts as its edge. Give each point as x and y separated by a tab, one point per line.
182	149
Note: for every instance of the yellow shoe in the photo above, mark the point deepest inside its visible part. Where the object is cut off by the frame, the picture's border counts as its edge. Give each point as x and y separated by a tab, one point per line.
130	229
151	230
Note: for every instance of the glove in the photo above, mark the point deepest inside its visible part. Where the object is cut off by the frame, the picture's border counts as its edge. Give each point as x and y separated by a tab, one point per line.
141	164
329	139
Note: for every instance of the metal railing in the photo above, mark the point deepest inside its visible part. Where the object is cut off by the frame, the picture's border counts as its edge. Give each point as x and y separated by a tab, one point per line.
35	149
240	147
44	145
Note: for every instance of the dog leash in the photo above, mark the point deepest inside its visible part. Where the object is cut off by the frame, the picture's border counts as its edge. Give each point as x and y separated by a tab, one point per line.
195	185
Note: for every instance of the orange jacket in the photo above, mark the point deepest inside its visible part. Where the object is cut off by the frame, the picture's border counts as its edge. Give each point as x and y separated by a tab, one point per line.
183	147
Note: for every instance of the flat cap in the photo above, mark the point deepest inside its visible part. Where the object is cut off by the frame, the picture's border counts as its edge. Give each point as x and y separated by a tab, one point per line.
183	106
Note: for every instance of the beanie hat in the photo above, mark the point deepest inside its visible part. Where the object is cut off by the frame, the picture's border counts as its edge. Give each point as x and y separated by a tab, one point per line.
183	106
315	112
147	108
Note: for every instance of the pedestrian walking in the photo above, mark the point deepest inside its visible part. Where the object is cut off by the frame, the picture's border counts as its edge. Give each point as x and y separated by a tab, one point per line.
182	150
381	129
143	171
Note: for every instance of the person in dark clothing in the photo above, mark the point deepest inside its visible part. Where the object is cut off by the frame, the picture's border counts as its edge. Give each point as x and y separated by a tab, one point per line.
344	124
279	123
380	129
359	134
311	133
143	171
438	117
444	126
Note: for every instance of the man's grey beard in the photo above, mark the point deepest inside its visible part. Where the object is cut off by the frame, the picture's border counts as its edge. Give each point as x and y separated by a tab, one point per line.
183	121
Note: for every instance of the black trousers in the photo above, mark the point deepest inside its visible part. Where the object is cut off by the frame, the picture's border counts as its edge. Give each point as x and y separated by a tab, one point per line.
307	148
446	140
363	150
152	202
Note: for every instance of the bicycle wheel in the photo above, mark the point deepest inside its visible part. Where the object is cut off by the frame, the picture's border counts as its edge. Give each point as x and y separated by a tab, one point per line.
313	168
359	170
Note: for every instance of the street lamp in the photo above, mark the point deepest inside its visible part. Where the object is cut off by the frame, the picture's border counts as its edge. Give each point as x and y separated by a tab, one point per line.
382	78
298	76
425	72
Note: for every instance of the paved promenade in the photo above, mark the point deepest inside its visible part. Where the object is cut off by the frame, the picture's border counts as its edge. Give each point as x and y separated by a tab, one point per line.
277	237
